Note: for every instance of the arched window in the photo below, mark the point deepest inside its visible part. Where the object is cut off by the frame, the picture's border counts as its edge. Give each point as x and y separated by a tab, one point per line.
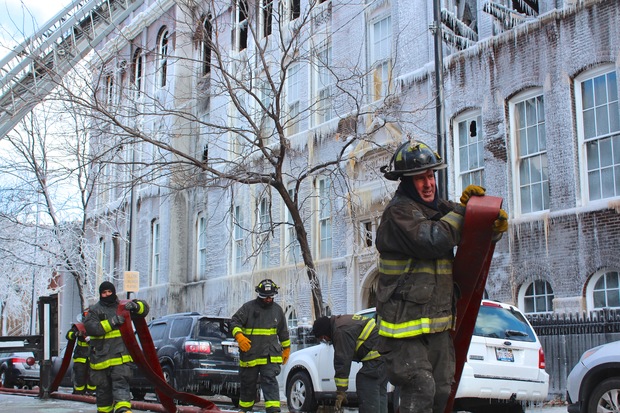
603	290
536	297
137	71
162	63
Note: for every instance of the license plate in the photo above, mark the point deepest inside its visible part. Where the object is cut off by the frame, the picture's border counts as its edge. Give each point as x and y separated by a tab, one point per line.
504	354
232	350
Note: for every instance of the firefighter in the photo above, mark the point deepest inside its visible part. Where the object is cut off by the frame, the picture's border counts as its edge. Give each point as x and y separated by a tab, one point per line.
415	291
109	358
259	327
355	338
82	382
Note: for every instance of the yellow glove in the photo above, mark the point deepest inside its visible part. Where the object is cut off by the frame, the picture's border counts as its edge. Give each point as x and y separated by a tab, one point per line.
286	354
501	223
341	398
471	190
244	342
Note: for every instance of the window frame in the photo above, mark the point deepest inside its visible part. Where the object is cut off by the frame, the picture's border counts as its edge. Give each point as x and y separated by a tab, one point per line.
468	118
238	240
201	246
380	61
240	25
206	46
163	46
518	159
525	297
291	246
265	18
591	288
155	269
137	75
591	75
294	91
323	84
324	218
264	227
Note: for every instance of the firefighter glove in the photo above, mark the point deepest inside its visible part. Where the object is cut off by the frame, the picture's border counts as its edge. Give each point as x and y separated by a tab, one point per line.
286	354
341	398
132	306
471	190
117	320
72	333
244	343
501	223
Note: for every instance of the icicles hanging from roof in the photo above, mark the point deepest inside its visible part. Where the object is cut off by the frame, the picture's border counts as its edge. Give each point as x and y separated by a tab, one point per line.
456	32
507	18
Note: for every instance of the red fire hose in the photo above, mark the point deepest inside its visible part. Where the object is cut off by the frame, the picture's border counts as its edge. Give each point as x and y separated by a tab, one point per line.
470	270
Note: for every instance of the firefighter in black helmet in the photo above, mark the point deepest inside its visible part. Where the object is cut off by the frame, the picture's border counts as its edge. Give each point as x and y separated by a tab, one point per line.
259	327
415	292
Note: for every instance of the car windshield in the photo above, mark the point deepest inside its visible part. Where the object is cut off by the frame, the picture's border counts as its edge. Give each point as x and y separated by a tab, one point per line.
499	322
213	328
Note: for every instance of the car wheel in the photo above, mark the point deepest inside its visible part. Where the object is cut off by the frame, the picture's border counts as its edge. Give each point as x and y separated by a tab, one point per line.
300	393
4	381
169	376
606	396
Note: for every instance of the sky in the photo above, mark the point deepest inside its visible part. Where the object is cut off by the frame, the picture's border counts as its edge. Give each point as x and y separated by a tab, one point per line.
21	18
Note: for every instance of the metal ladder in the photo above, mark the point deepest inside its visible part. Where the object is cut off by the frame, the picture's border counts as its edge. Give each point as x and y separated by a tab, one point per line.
33	69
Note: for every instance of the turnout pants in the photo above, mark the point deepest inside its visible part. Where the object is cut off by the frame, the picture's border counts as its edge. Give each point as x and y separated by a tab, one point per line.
371	384
423	368
82	381
113	393
249	377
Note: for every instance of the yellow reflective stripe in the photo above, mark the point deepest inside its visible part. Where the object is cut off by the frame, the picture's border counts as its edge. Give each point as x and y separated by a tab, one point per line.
286	343
454	220
415	327
340	382
126	405
140	307
82	343
246	404
372	354
272	403
236	330
79	388
365	333
393	267
105	409
252	363
79	359
91	387
276	359
117	361
71	334
260	331
106	326
444	266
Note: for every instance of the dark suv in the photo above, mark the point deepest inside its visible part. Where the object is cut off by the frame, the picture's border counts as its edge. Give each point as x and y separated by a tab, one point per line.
197	353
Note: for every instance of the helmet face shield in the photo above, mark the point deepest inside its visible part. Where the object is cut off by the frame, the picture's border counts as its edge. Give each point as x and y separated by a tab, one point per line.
412	158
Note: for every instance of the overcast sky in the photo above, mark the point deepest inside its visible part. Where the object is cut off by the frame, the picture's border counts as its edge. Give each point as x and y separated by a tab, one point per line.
21	18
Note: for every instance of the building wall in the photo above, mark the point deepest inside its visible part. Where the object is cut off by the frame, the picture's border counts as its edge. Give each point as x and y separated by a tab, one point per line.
563	246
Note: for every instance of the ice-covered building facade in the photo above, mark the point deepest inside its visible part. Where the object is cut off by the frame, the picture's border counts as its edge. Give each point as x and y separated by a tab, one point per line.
531	113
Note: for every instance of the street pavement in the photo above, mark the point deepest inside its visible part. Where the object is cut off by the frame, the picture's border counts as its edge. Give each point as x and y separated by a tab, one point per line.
15	403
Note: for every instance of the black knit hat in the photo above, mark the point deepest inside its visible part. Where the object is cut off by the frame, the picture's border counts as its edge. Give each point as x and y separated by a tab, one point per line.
322	327
107	285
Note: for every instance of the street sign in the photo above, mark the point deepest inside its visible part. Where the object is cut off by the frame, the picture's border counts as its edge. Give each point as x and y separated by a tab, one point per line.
131	281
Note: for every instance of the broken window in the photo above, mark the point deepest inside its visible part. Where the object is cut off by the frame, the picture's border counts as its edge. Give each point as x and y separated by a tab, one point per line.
240	25
511	13
469	144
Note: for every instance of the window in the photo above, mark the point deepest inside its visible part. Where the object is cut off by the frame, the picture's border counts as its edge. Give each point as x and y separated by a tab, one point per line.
238	236
181	328
266	17
102	261
603	290
137	67
291	246
201	247
530	146
598	123
381	53
207	44
469	142
291	316
264	220
323	92
162	62
240	25
109	90
155	251
293	95
367	233
293	9
537	297
325	221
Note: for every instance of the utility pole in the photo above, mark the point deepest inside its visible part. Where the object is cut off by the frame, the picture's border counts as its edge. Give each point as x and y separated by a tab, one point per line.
439	99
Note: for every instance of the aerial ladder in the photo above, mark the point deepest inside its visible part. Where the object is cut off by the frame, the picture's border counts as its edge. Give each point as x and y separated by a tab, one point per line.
35	67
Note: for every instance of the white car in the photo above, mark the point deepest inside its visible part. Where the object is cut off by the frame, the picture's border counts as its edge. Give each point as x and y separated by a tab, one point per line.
505	367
